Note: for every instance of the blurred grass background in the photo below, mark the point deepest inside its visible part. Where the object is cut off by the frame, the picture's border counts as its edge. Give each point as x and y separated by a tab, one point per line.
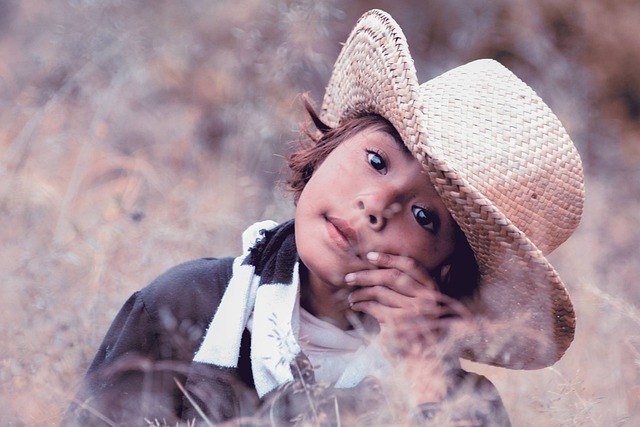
138	134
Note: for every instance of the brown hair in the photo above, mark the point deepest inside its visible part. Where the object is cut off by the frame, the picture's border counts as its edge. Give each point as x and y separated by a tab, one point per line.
315	146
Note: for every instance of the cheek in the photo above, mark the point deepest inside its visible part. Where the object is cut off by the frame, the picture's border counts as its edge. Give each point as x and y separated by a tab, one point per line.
311	195
430	251
431	255
444	246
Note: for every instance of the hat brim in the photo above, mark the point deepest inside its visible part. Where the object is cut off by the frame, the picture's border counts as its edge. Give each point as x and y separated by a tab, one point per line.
524	318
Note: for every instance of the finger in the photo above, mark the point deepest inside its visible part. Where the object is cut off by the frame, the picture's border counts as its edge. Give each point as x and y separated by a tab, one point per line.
405	264
380	294
394	280
400	307
382	313
395	289
427	304
391	278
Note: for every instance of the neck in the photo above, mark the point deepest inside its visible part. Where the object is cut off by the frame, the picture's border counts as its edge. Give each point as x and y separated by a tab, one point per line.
324	301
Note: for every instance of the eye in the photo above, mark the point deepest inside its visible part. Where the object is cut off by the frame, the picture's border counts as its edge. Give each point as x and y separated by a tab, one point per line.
377	162
426	218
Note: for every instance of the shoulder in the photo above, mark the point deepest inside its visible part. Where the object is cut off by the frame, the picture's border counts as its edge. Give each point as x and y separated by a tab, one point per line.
191	290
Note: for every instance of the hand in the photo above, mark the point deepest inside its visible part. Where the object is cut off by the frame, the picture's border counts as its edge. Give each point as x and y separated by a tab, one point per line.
413	315
402	293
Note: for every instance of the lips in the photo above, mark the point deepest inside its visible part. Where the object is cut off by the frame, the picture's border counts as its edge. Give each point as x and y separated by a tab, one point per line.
342	234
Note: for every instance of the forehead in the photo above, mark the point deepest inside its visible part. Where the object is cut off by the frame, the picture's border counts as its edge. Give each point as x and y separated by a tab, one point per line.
358	124
383	125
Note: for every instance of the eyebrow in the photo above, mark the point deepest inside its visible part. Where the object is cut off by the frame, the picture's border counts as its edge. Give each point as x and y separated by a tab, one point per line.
396	137
403	147
390	130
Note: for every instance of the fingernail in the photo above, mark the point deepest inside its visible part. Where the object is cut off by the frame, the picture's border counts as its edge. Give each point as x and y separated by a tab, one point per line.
349	278
373	256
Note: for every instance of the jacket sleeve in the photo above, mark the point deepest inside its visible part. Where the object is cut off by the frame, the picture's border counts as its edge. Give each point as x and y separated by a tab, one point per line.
216	394
149	347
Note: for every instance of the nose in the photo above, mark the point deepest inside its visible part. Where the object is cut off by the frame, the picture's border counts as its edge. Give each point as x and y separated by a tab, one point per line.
378	208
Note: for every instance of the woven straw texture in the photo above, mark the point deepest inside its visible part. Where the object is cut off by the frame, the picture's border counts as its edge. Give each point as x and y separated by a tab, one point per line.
504	166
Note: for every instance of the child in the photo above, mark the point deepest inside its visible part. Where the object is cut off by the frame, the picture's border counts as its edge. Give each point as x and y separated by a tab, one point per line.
423	217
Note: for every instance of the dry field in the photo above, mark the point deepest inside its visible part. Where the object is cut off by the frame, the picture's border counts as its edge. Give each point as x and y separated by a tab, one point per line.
136	135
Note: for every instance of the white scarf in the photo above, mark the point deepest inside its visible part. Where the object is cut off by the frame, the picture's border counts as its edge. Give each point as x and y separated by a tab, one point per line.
271	313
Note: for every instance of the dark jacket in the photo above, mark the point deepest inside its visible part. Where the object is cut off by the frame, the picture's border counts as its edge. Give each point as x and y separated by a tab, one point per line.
144	368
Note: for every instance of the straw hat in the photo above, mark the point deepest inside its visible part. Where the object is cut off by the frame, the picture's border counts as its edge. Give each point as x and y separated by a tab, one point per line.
505	168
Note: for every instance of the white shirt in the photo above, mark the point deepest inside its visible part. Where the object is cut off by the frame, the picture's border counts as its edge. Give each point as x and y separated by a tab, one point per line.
338	357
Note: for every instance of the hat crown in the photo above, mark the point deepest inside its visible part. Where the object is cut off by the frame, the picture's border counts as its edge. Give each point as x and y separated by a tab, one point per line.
494	131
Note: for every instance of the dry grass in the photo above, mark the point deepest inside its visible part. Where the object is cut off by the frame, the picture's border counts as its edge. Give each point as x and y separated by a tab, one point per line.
135	135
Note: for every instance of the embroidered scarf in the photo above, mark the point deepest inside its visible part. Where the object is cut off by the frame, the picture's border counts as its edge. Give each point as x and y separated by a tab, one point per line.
262	296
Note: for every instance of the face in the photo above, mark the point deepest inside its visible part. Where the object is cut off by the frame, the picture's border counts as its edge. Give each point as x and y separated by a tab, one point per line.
369	195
